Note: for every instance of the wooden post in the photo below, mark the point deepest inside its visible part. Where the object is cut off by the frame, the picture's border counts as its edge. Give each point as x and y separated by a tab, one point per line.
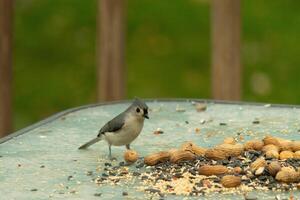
6	10
110	50
226	67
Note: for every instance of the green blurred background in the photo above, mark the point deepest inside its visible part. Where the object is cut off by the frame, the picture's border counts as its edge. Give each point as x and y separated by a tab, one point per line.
167	52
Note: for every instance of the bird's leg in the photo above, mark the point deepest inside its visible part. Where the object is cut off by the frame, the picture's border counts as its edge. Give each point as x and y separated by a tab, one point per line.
109	149
109	155
128	146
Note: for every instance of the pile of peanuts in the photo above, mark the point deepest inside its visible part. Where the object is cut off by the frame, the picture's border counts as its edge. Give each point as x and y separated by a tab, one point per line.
275	151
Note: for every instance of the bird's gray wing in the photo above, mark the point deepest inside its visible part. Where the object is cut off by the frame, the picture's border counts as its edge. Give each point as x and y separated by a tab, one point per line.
113	125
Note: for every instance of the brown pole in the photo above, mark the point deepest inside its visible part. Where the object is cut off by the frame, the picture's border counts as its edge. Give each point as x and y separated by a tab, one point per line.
6	12
226	66
110	50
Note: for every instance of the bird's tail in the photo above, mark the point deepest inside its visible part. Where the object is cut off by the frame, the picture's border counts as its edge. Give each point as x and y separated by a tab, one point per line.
93	141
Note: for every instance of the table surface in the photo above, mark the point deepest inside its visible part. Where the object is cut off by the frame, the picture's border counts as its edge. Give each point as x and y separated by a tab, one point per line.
35	162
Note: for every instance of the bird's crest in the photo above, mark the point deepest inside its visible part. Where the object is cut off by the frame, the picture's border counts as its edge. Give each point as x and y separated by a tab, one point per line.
140	103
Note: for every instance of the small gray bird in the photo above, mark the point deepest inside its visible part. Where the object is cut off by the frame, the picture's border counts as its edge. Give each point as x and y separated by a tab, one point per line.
124	128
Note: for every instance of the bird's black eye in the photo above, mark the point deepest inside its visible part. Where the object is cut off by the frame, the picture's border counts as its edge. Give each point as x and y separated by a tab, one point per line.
138	110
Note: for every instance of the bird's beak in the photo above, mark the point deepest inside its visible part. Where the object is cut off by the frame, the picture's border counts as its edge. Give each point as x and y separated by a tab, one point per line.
146	116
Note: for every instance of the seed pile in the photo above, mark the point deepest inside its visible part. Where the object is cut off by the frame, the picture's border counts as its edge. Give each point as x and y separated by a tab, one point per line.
268	164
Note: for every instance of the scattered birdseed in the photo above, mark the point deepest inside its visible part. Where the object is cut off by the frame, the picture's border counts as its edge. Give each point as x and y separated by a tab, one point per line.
152	190
136	173
89	173
158	131
140	165
179	109
112	173
200	107
70	178
73	191
104	175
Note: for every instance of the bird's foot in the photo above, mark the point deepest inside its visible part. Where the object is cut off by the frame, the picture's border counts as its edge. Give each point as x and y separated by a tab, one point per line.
112	158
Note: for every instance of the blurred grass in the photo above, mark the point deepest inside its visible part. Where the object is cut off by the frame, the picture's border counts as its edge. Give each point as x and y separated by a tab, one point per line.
167	52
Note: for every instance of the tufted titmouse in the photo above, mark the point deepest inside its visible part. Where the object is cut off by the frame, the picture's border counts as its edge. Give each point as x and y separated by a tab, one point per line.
124	128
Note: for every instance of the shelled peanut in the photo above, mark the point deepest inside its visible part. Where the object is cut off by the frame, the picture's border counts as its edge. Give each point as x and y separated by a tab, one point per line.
258	166
229	140
296	146
274	167
181	155
275	147
188	151
297	155
209	170
282	144
193	148
254	145
230	181
130	156
224	151
288	175
156	158
286	155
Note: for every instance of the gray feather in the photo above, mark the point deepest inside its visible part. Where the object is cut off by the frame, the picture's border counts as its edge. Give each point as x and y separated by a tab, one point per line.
139	103
93	141
113	125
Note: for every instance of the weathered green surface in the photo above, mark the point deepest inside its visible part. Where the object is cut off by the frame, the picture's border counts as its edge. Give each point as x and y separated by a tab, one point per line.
54	146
